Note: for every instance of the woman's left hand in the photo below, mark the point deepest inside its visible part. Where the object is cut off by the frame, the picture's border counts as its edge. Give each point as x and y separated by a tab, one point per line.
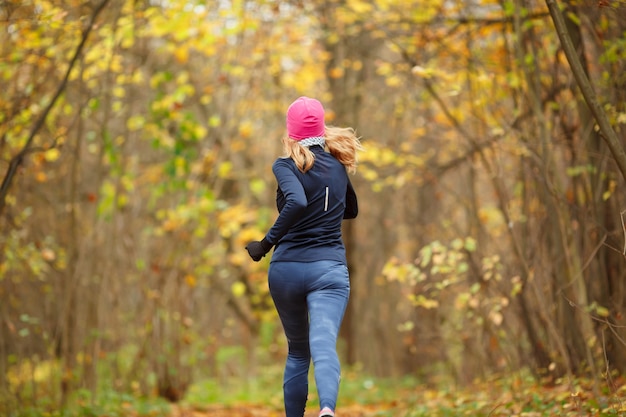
258	249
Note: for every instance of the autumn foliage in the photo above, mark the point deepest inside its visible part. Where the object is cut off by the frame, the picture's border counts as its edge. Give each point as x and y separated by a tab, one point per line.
136	140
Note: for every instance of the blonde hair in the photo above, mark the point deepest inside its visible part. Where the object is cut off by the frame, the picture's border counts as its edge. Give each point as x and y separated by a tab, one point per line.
341	142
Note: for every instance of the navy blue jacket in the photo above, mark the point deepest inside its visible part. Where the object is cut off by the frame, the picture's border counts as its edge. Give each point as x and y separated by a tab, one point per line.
311	207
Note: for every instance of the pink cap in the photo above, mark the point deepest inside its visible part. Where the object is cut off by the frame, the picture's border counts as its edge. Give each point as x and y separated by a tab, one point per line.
305	119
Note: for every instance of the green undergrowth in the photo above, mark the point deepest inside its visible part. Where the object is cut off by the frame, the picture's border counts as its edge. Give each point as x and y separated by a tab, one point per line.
108	403
501	396
505	395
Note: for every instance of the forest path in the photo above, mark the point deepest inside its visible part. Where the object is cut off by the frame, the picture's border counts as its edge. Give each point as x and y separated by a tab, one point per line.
246	410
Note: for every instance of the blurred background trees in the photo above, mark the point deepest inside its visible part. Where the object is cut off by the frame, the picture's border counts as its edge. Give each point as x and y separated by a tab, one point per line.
136	142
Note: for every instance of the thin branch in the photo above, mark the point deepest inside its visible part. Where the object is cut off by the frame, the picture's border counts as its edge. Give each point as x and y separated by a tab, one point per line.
590	258
599	319
608	134
482	21
477	146
18	159
621	215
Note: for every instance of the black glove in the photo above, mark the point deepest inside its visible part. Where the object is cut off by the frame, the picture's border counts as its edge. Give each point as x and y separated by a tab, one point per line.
258	250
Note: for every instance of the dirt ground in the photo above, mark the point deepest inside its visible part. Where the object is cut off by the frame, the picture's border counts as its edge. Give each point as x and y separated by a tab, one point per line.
259	411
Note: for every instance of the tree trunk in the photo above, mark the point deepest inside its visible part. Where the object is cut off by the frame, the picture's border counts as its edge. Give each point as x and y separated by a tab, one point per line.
346	100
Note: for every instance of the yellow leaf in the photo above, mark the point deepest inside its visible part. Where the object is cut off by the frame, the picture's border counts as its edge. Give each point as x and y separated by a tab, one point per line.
336	72
384	68
257	186
393	81
421	301
406	326
249	234
607	194
224	169
52	155
122	200
199	131
245	129
238	289
360	6
190	280
214	121
602	311
369	174
170	224
135	122
119	92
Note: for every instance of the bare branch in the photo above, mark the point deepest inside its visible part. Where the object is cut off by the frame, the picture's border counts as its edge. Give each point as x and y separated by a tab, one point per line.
624	230
18	159
608	134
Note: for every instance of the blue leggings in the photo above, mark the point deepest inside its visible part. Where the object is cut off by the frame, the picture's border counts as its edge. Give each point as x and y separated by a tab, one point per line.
311	299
